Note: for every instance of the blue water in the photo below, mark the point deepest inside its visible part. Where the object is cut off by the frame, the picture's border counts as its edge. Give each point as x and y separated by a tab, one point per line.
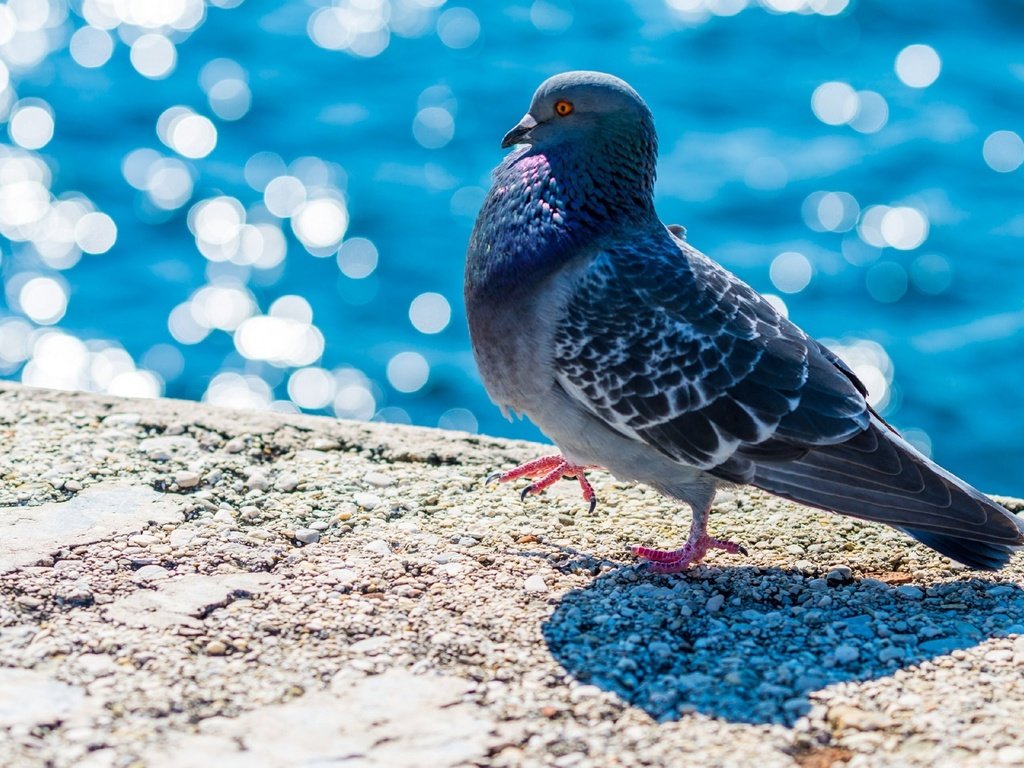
743	154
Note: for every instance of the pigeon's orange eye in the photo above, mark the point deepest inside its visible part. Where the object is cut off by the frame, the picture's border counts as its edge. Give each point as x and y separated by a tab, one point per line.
563	108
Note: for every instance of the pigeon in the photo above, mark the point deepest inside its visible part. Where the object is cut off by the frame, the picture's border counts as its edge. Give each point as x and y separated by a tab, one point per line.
634	352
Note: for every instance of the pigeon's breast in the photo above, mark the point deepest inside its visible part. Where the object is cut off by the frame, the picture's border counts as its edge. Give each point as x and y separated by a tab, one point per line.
513	339
524	232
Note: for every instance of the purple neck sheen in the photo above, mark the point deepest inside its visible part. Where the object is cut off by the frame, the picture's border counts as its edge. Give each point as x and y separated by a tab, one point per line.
548	203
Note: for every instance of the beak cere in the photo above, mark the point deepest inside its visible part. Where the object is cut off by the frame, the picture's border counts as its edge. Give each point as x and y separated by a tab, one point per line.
520	132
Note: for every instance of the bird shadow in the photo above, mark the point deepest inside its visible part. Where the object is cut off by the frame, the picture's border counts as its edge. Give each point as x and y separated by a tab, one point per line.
752	645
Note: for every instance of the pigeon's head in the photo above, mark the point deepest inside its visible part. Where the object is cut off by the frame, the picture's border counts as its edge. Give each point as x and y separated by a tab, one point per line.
584	108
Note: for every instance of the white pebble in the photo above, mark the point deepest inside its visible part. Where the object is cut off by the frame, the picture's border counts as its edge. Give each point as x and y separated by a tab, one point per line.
343	575
150	573
583	692
286	483
257	481
377	479
1010	756
186	479
999	655
378	547
122	419
367	500
307	535
450	569
235	445
535	583
181	537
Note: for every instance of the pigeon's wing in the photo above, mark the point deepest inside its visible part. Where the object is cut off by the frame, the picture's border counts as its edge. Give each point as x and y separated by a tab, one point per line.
668	348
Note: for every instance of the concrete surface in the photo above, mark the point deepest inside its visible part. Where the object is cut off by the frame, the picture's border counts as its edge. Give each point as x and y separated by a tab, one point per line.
181	585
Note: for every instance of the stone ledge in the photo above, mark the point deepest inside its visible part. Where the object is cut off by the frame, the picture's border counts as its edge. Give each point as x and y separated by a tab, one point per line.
185	585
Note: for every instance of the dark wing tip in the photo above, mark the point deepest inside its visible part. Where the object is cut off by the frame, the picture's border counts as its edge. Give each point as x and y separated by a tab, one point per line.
974	554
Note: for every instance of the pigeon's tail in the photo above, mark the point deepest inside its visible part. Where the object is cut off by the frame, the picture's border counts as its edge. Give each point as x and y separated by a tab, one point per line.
876	475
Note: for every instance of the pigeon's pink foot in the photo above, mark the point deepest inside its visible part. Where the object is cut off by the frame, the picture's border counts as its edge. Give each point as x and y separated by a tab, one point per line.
677	560
547	470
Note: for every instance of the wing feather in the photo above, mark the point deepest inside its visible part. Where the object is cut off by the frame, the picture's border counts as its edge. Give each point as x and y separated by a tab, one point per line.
670	349
702	367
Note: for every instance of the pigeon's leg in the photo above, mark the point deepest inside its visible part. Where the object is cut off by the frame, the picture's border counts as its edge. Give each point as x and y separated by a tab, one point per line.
697	545
548	470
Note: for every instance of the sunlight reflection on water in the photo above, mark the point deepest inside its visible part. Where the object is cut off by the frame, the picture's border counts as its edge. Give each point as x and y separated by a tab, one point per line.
326	160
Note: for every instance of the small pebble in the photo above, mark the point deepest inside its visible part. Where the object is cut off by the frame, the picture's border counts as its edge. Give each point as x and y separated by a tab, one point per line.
122	419
150	573
343	575
890	652
235	445
216	648
845	716
714	603
839	574
1010	756
307	535
378	547
367	500
286	483
910	592
73	485
535	583
377	479
844	654
186	479
999	655
257	481
321	444
452	569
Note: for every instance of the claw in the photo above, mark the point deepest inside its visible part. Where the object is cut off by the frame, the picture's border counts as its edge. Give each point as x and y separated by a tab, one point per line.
679	560
546	471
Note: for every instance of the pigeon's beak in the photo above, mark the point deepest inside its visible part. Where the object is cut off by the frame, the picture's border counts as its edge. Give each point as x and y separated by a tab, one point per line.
520	132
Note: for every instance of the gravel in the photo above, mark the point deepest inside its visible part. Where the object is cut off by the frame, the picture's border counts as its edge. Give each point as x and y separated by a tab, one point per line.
172	593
